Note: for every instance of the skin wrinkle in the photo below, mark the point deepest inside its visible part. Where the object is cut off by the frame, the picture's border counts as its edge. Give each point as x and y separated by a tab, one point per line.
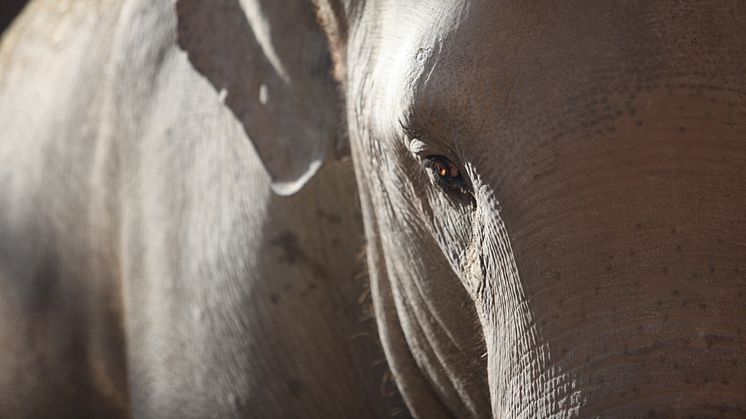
557	97
409	223
601	263
415	393
527	337
422	356
428	303
425	301
420	400
428	306
421	324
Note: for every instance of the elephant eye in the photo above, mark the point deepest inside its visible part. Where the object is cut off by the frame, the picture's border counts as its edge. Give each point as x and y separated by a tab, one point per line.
445	173
442	167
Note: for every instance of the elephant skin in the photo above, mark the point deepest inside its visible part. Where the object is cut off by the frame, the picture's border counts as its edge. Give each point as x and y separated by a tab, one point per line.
592	243
147	268
551	198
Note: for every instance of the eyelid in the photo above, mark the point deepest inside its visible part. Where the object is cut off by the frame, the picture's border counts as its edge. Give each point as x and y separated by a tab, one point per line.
421	148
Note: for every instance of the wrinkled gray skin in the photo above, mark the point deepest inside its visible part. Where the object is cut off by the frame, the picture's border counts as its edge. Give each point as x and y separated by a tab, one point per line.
600	252
594	266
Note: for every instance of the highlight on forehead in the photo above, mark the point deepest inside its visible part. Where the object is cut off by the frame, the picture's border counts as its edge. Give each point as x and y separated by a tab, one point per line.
409	39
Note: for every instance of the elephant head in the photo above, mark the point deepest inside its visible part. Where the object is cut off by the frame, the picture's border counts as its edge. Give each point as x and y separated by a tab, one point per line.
553	197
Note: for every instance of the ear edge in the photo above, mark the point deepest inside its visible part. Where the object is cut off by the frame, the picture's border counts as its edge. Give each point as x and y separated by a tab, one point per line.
297	127
289	188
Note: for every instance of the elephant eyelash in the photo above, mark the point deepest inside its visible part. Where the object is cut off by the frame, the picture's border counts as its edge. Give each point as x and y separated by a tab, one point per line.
459	188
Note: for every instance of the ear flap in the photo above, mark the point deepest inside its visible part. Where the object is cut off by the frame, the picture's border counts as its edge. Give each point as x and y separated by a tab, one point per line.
271	61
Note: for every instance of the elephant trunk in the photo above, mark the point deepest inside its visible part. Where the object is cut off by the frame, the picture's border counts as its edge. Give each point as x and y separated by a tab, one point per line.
625	294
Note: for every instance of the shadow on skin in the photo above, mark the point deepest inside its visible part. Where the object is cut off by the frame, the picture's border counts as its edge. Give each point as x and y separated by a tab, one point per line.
9	9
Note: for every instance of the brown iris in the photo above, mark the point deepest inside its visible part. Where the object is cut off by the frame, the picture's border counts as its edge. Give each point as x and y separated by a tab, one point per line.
446	174
444	168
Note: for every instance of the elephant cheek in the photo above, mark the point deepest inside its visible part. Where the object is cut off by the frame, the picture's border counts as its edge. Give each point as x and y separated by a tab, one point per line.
474	274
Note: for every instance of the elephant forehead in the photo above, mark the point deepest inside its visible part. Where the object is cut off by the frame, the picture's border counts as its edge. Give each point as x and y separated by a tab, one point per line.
483	68
441	66
404	39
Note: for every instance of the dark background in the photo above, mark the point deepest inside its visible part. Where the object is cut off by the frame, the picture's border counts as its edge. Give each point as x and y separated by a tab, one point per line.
8	10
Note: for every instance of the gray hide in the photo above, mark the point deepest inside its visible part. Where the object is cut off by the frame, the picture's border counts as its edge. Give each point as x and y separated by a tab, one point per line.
146	266
589	259
583	256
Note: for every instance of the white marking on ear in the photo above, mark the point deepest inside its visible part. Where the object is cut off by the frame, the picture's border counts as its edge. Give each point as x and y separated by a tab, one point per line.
261	28
263	94
222	95
290	188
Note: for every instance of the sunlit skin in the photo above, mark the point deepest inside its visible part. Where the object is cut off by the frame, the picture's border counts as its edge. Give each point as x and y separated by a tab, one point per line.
549	196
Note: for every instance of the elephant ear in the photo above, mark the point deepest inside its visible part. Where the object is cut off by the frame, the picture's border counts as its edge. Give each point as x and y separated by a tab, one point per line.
271	63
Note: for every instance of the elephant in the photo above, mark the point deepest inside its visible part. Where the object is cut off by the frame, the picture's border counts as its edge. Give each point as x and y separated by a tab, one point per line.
551	201
147	268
